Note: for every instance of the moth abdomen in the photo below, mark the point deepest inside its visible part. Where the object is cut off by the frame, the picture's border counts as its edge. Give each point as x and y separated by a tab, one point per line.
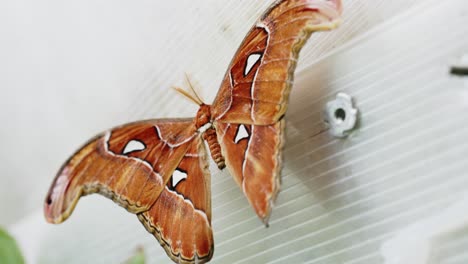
215	149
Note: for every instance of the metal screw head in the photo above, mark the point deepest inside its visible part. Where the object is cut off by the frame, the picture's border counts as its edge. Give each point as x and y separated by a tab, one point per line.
341	115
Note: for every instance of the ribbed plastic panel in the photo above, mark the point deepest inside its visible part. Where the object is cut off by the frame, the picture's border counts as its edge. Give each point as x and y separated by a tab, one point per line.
400	177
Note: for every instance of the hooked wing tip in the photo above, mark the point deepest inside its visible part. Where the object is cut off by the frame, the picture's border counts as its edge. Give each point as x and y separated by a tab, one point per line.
266	218
51	214
59	204
329	16
56	214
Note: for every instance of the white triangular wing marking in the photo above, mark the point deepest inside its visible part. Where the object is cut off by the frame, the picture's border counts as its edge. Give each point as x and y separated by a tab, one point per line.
241	134
251	61
177	176
133	145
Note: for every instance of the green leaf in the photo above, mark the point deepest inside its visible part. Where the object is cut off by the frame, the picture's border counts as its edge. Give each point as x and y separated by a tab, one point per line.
138	258
9	251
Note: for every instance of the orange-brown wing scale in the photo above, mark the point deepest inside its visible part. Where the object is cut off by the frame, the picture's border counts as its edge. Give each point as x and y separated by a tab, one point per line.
130	165
181	217
255	89
135	166
253	156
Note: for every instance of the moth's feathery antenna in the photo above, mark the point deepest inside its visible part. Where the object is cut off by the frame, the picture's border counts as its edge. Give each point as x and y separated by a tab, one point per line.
193	89
187	95
193	96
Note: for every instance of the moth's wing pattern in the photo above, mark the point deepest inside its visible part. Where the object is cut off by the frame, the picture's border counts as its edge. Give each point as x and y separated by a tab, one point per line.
255	89
253	156
181	217
252	100
157	169
130	164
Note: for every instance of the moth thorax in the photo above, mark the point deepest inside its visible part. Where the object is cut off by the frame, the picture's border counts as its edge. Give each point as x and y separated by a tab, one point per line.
215	149
203	116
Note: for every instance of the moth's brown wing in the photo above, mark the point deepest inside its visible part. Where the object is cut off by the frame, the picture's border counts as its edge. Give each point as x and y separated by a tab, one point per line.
181	217
253	156
130	164
256	86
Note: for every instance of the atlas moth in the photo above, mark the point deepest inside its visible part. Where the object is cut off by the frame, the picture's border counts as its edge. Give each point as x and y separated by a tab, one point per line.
158	169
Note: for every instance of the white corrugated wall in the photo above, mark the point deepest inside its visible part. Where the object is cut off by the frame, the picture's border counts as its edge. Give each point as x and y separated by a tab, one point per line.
395	191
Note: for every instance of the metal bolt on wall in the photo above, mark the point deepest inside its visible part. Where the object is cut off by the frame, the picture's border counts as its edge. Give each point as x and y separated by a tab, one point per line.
341	115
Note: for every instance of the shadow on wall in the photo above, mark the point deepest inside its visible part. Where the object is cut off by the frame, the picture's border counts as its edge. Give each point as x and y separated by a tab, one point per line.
312	156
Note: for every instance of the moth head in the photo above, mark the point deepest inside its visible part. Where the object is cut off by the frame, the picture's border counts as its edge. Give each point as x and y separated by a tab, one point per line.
203	115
